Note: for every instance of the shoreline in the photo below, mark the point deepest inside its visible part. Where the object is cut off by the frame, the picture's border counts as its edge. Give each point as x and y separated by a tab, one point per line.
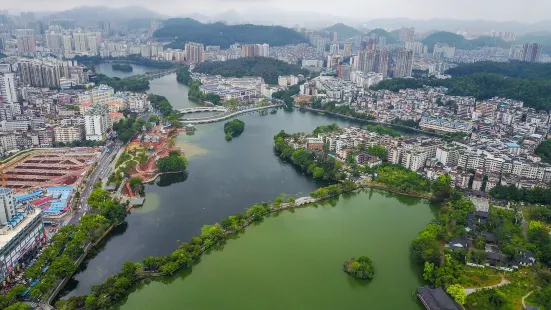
420	131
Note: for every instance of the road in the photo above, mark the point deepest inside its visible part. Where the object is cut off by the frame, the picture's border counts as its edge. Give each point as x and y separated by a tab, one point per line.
102	169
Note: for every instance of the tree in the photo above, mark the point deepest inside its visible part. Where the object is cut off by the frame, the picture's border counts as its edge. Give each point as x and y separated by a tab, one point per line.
441	187
318	172
457	292
63	266
428	273
361	268
137	185
234	128
154	119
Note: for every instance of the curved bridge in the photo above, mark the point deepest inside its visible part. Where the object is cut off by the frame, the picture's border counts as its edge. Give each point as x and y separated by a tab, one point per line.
203	109
217	118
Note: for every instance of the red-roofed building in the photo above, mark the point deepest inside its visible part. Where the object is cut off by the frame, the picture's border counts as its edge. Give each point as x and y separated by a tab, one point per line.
41	202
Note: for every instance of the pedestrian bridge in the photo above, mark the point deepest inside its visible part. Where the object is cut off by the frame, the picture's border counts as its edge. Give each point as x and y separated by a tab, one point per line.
203	109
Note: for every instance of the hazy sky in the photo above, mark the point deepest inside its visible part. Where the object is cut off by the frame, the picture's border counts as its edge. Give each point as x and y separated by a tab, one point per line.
501	10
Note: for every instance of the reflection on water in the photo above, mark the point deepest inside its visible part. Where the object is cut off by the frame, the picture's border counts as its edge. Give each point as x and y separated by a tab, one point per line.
172	178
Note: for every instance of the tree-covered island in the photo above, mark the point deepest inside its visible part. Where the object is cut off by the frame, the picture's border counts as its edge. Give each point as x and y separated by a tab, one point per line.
122	67
361	268
233	129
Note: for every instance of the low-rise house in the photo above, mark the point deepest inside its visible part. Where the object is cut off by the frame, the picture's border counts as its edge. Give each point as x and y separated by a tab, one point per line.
436	299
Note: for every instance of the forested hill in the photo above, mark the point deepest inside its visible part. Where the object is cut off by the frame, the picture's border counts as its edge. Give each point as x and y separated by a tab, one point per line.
183	30
460	42
534	93
267	68
343	31
390	39
514	69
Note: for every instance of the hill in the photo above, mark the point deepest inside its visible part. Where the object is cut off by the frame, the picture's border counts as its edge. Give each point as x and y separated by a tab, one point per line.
183	30
513	69
390	39
460	42
267	68
98	13
343	31
534	93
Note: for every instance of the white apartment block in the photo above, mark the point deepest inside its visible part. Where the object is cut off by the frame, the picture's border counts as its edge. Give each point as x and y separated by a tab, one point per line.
7	87
67	134
96	122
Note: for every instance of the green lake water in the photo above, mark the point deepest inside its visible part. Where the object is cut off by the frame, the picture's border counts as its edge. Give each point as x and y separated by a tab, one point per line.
293	260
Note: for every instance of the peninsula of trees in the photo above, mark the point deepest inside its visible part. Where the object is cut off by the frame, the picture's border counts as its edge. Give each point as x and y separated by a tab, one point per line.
174	162
182	30
267	68
361	268
122	67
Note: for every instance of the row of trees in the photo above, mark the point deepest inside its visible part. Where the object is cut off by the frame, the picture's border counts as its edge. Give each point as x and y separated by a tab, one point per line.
134	59
138	84
117	287
536	195
342	109
174	162
315	163
334	190
128	127
196	94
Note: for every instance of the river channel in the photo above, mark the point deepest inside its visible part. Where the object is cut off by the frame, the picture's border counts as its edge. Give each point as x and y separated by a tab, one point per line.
223	178
293	260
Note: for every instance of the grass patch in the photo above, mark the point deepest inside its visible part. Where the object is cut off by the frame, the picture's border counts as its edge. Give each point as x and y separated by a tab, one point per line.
478	277
504	297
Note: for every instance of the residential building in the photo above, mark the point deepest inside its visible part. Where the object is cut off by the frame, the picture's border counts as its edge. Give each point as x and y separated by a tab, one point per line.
68	134
21	229
7	87
96	122
194	53
26	44
404	63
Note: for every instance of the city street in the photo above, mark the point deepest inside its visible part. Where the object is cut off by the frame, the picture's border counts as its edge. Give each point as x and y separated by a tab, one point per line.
99	172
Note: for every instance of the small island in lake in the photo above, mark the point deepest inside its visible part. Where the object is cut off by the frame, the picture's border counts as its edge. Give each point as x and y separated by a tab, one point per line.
122	67
361	268
233	129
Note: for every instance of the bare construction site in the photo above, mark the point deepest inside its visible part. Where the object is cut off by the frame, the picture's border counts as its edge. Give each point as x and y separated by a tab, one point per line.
41	168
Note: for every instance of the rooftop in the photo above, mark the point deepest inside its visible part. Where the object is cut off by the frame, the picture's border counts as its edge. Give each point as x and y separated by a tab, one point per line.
5	239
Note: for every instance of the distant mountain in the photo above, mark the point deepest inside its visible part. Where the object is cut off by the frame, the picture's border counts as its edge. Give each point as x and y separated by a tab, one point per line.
460	42
343	31
390	39
453	25
86	14
182	30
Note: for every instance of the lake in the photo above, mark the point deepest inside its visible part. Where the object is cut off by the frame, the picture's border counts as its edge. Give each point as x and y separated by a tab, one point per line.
105	68
224	178
294	260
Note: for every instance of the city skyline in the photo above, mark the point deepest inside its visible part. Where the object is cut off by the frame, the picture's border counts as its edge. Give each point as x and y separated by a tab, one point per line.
492	10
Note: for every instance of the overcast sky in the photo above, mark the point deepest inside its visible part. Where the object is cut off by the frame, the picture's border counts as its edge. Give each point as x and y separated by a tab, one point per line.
500	10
